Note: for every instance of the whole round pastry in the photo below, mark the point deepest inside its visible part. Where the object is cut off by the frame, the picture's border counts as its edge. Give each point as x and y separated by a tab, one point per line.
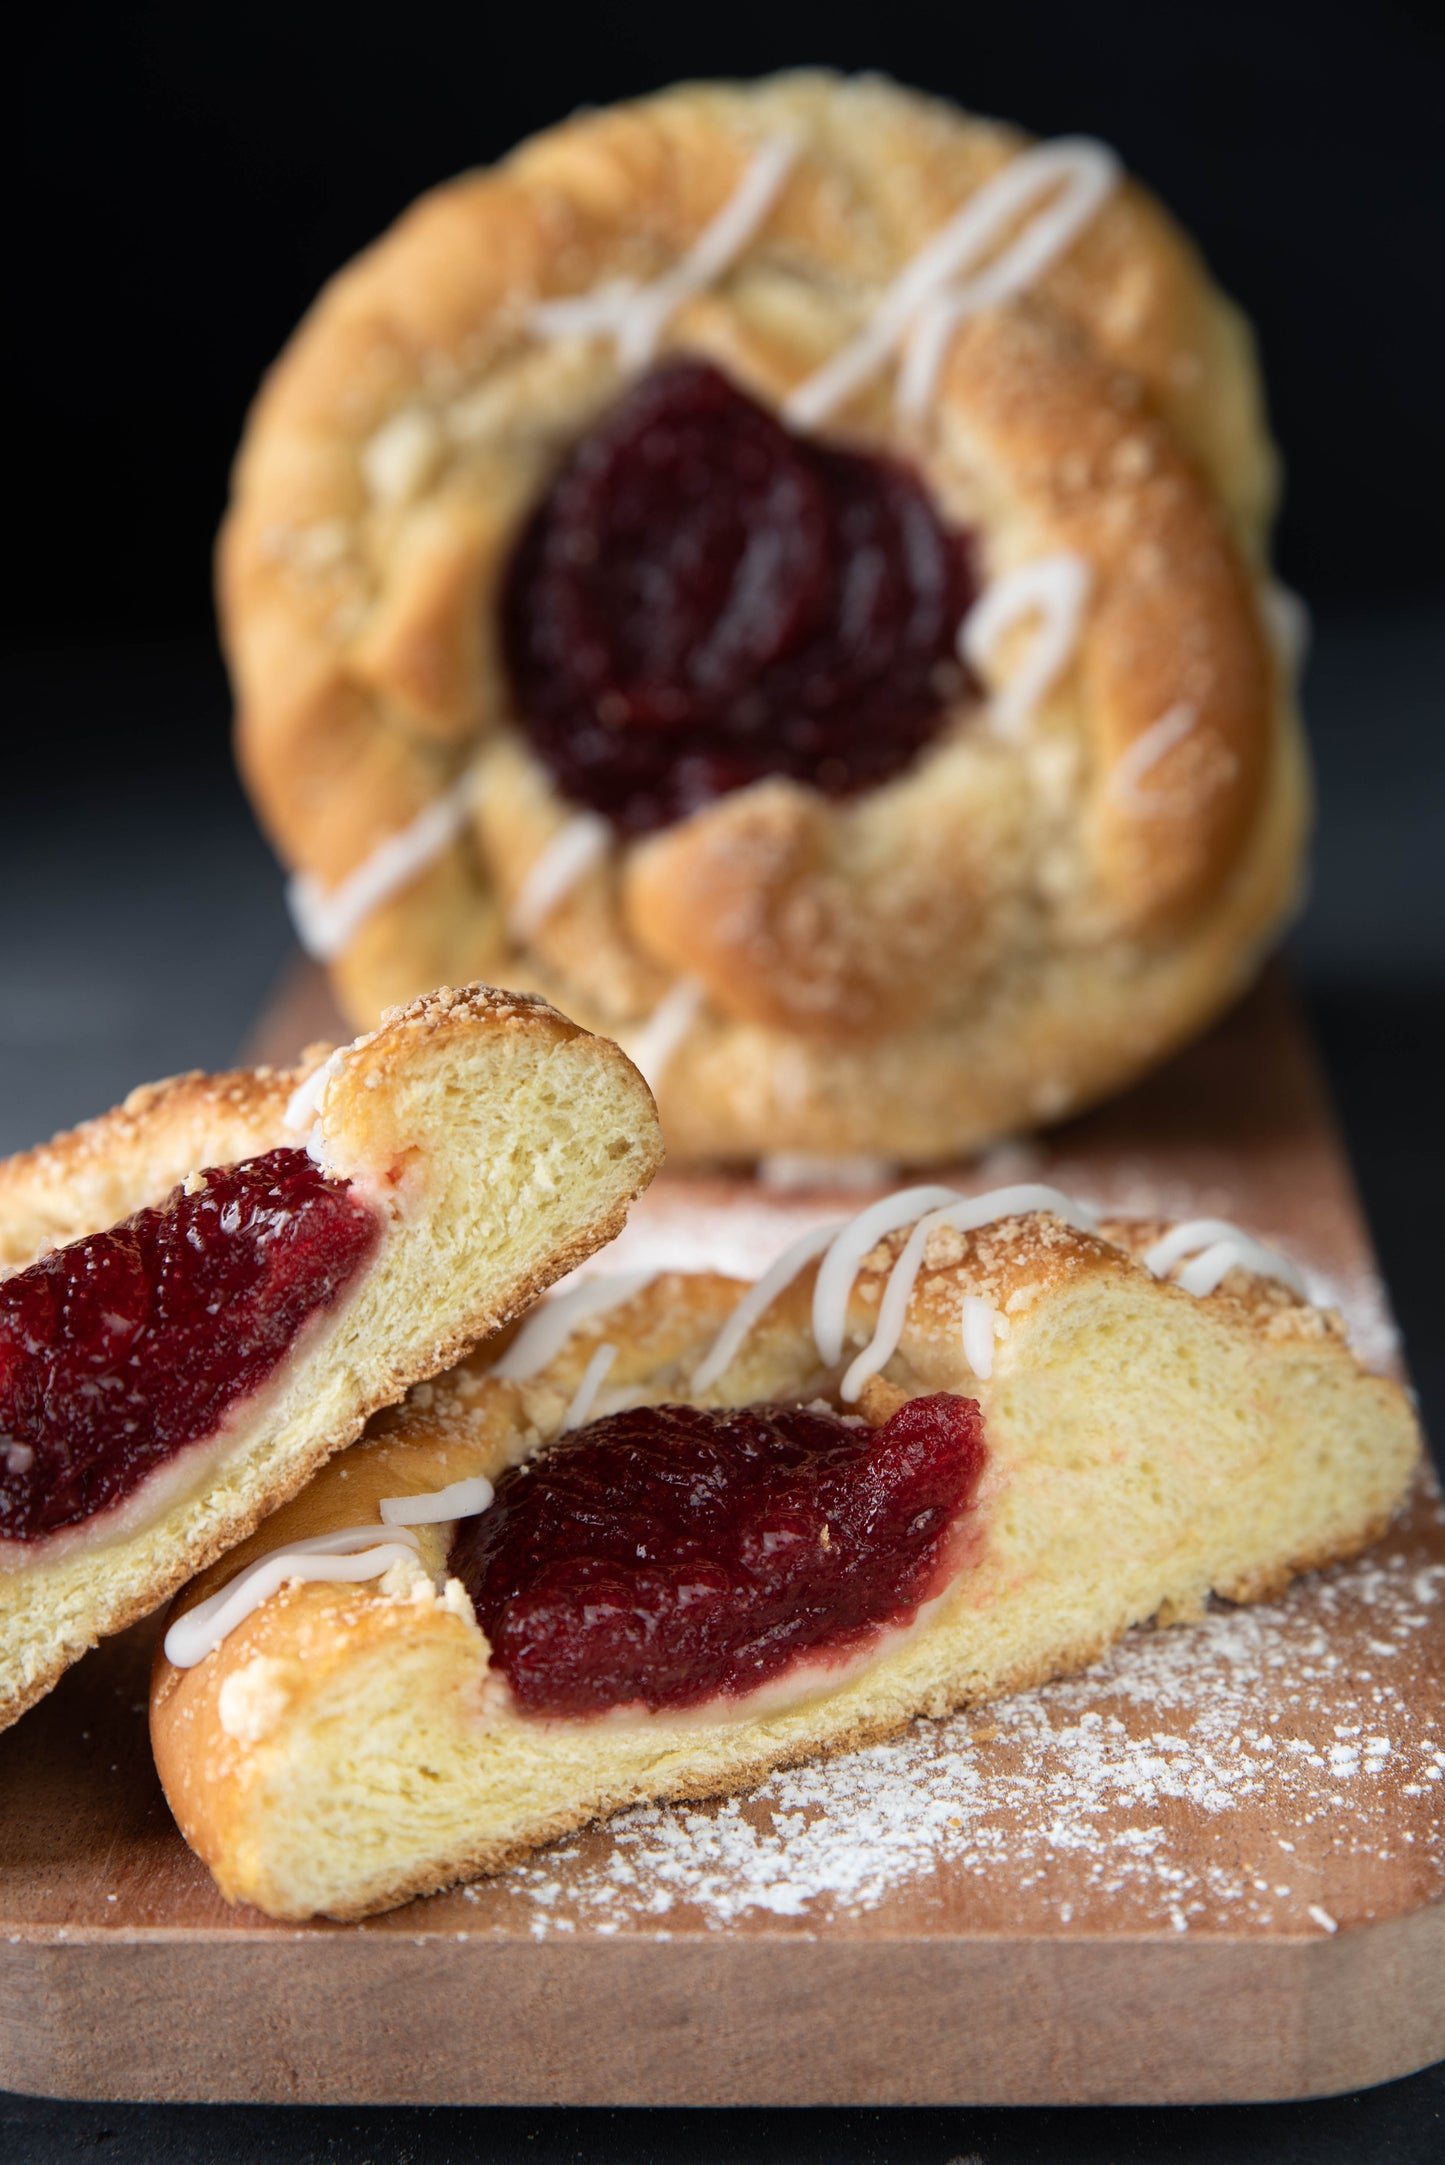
780	570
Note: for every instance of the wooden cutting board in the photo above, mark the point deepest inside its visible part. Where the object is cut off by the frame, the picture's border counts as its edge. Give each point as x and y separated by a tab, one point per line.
1210	1868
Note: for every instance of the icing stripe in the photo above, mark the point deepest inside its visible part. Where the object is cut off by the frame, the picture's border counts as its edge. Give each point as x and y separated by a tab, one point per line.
1217	1246
1082	169
634	316
433	1507
1143	756
570	853
978	1335
548	1328
757	1300
964	1216
1052	588
844	1259
579	1412
1088	172
327	919
350	1555
304	1104
653	1045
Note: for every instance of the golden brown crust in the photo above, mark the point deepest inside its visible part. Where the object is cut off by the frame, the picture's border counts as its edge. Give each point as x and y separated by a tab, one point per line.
956	926
1239	1444
88	1177
501	1146
1175	621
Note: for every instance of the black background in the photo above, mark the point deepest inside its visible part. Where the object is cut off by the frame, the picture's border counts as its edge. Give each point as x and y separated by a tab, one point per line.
184	178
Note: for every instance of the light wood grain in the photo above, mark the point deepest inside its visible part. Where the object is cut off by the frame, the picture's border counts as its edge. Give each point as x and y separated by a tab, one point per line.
123	1974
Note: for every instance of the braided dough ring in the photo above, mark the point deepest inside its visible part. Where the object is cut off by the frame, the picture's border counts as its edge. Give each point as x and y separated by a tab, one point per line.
495	1145
1015	924
1145	1447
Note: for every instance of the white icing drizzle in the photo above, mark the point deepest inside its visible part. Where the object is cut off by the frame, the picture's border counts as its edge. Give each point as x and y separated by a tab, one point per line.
1203	1275
350	1555
840	1266
634	316
459	1500
979	1322
965	1215
651	1047
843	1248
401	457
757	1300
1052	588
602	313
920	300
328	919
594	1375
1144	754
1287	620
572	851
548	1328
1217	1246
303	1107
1087	172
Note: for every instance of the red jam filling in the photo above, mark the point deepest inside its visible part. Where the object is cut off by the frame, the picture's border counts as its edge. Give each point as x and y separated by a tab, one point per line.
662	1556
118	1351
704	598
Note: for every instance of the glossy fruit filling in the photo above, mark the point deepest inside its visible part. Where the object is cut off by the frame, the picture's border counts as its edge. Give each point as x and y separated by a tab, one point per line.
119	1350
663	1556
704	598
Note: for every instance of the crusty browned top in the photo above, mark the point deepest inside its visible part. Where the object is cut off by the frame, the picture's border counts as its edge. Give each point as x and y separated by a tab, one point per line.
93	1175
123	1160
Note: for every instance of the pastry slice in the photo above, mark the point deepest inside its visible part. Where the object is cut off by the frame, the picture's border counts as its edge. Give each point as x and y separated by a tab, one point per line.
208	1291
670	1536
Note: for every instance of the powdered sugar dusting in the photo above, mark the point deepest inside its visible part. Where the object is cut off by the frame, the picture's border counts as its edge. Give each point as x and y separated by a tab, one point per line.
1262	1770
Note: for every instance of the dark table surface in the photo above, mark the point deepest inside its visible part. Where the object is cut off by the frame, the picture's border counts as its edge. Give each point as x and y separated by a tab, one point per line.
143	929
